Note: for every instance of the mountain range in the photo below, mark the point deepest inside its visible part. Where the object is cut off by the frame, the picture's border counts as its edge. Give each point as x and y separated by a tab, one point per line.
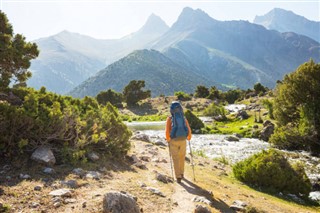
195	50
67	59
287	21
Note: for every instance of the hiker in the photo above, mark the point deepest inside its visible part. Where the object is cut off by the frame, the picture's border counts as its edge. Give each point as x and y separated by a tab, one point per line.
177	131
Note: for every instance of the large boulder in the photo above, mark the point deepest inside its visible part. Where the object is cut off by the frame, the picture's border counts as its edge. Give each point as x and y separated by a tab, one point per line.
120	202
43	154
267	131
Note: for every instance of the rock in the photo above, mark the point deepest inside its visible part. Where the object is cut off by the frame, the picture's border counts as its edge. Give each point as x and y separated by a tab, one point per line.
35	205
93	156
242	114
78	171
296	198
61	193
57	204
231	138
69	200
160	143
315	196
145	158
118	202
163	178
237	135
267	123
140	165
37	188
44	155
156	160
24	176
133	158
219	118
155	191
141	137
238	205
84	204
93	175
201	209
267	131
48	171
56	199
70	183
202	200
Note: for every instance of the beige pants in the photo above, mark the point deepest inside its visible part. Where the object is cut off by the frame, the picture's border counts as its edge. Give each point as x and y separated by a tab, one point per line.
177	148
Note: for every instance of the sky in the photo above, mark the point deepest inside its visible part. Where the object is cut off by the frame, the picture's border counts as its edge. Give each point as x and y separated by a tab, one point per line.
106	19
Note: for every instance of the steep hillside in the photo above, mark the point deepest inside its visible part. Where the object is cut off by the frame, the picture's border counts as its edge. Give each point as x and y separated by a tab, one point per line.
287	21
161	74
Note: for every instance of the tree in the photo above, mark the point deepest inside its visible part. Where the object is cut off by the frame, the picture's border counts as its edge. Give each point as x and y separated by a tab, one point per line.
111	96
15	55
133	92
297	101
201	92
259	88
214	93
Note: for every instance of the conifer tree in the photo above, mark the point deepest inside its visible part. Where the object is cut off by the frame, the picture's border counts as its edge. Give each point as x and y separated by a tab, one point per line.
15	55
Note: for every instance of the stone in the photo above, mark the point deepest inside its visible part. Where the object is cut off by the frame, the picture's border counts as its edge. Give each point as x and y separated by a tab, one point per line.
231	138
267	131
70	183
57	204
37	188
78	171
155	191
141	137
145	158
315	196
69	200
160	143
119	202
201	199
61	193
24	176
35	205
201	209
140	165
163	178
93	156
93	175
238	205
48	171
43	154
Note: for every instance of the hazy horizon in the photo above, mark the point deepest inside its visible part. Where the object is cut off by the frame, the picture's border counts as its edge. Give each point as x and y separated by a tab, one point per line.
106	19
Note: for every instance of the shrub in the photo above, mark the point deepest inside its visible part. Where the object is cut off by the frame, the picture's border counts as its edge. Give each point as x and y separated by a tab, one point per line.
214	110
270	170
71	126
182	96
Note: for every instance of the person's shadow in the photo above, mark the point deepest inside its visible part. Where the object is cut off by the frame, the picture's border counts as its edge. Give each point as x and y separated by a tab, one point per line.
193	188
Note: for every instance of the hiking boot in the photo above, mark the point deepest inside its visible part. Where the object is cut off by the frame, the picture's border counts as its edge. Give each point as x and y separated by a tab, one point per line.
178	180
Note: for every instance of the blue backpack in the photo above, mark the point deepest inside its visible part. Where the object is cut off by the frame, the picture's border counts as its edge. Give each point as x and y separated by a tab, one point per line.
178	123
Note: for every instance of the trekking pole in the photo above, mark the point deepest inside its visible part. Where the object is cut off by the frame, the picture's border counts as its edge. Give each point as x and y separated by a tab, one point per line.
192	164
171	162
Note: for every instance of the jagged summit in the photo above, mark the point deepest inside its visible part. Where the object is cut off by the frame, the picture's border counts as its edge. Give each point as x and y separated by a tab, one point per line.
154	24
287	21
190	18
